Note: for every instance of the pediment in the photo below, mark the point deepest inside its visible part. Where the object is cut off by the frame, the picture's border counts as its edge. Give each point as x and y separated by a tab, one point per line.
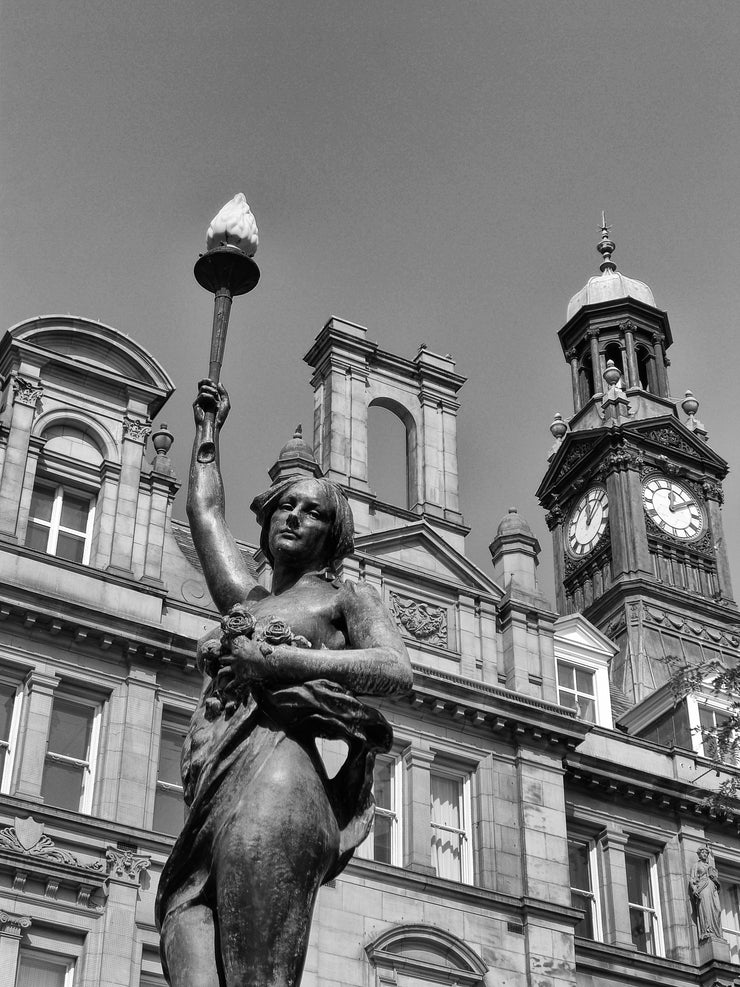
417	549
575	632
672	437
574	449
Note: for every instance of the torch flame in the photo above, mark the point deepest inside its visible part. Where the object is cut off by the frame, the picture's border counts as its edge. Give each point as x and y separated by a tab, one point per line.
234	226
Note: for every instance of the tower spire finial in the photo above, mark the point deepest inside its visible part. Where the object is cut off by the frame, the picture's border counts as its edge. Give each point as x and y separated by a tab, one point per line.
606	247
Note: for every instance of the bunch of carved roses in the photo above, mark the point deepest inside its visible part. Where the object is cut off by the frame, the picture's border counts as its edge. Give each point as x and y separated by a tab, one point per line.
268	632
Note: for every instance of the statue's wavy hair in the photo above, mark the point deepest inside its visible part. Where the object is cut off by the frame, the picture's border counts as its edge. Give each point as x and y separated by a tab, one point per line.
341	541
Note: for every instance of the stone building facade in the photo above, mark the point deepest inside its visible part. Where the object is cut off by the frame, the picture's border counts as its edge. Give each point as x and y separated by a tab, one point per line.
540	813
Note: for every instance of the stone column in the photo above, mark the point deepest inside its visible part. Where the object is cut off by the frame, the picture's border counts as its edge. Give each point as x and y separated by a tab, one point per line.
630	551
596	369
38	701
417	850
162	491
135	431
633	374
105	514
715	499
660	365
26	395
613	887
11	930
136	767
115	942
572	359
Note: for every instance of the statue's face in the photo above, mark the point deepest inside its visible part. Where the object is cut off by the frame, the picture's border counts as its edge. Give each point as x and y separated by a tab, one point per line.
300	526
703	853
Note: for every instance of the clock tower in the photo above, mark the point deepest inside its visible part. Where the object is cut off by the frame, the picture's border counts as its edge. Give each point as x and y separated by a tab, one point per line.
633	491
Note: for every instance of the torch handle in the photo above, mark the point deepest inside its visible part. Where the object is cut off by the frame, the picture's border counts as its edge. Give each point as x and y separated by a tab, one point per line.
221	312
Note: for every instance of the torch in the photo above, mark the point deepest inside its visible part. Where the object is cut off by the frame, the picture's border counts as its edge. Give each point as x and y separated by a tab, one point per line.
227	269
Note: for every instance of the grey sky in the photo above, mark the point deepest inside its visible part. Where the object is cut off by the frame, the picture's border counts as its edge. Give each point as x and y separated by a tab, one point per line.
432	170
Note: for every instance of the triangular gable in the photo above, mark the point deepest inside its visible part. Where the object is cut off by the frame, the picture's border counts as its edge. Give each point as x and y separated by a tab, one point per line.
417	548
575	447
671	435
579	633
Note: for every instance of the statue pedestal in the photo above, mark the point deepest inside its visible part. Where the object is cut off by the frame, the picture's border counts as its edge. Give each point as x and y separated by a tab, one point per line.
714	951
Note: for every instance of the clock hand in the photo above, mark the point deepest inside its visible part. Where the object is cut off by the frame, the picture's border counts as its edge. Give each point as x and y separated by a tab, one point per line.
671	500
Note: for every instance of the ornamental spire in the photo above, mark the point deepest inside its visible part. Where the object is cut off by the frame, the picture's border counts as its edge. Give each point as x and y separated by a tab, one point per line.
606	247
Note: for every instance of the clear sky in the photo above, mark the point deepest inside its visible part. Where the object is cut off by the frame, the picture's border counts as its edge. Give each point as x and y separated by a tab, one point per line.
433	170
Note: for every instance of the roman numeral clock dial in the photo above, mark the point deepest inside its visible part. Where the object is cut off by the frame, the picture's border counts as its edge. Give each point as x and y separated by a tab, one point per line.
673	508
588	522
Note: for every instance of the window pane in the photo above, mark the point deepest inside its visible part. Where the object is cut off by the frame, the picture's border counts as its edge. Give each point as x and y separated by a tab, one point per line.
169	755
446	856
382	784
7	699
638	880
74	512
586	709
585	927
42	501
37	536
642	933
567	699
71	724
62	784
445	801
566	675
70	547
579	871
585	681
169	812
34	971
382	833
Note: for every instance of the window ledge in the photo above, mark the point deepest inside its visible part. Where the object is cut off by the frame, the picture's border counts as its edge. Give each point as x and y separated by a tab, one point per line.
655	970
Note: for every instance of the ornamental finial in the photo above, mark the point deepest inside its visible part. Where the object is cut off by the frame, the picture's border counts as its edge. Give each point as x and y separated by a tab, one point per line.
606	247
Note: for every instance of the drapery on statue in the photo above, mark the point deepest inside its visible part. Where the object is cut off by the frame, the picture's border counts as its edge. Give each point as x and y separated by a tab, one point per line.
704	886
265	825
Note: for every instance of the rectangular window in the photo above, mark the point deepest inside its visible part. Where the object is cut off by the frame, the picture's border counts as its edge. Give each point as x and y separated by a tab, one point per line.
450	810
71	754
60	523
384	840
40	969
169	807
717	744
582	861
729	896
642	894
577	690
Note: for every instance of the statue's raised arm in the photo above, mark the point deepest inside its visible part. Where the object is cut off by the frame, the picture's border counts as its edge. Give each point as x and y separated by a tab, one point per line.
228	579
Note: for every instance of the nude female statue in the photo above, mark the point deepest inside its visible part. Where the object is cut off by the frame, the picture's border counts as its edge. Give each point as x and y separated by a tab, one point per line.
266	826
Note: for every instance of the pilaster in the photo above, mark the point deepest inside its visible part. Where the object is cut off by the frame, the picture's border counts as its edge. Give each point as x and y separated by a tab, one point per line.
613	887
11	930
37	706
417	853
26	395
135	431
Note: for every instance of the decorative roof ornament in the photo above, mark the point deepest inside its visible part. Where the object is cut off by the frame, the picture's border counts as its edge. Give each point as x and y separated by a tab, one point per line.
606	247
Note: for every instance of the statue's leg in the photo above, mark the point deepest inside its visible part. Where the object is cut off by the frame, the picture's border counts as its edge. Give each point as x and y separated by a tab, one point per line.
190	943
270	864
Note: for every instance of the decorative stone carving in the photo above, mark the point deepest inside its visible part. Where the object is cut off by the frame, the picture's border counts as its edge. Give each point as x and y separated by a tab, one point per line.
713	491
27	836
627	326
619	461
422	621
135	429
703	546
667	437
27	392
679	622
575	455
554	517
11	925
126	863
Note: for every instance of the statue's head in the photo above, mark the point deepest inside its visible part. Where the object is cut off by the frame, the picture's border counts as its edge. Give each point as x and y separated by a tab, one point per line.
338	541
703	853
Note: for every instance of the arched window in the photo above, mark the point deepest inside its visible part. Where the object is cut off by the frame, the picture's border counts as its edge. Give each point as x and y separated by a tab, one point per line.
586	378
407	955
613	351
645	368
61	511
388	439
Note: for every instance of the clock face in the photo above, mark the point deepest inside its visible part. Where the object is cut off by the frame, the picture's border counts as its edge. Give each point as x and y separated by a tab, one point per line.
588	521
673	507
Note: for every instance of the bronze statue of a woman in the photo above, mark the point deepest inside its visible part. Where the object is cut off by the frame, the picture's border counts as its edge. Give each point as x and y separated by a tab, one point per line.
265	825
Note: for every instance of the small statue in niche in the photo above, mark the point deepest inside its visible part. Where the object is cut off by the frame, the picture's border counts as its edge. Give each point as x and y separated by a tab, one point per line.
265	825
704	887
